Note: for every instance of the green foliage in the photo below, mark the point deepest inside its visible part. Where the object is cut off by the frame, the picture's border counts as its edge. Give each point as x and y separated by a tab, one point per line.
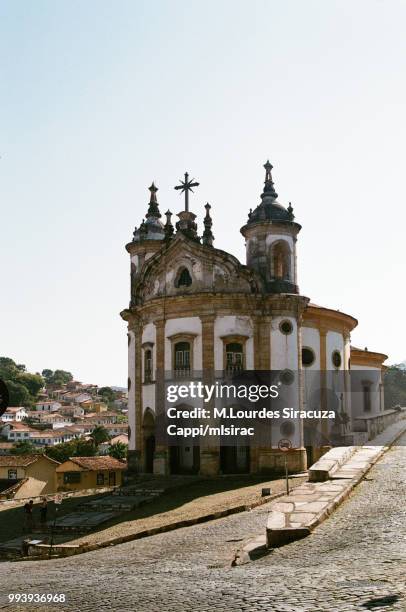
22	386
99	435
47	374
118	451
25	447
33	382
29	421
19	394
75	448
122	418
59	377
395	386
107	394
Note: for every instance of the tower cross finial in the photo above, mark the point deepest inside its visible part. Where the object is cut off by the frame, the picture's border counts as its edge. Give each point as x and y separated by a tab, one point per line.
268	169
186	186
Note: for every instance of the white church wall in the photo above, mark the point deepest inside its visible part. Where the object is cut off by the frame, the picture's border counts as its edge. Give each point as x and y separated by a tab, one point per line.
284	356
334	342
148	398
131	391
311	376
233	325
184	325
283	346
311	339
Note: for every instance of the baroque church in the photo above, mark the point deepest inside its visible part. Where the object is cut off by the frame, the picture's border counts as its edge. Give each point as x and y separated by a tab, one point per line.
196	308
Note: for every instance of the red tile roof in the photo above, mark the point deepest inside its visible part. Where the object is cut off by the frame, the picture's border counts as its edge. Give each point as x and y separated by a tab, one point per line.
21	460
98	463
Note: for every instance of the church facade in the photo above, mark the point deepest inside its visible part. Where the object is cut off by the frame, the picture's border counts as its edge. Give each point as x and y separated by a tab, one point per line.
196	308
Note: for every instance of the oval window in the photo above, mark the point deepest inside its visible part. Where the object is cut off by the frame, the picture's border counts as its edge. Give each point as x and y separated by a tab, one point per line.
308	356
336	359
286	327
286	377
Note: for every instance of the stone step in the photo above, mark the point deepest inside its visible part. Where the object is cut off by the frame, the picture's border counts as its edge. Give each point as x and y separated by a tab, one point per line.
329	463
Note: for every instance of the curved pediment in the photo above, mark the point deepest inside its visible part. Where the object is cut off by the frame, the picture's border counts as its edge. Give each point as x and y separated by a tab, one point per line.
185	266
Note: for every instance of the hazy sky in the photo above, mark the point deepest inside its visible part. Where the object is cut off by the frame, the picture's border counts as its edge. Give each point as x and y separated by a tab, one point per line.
100	98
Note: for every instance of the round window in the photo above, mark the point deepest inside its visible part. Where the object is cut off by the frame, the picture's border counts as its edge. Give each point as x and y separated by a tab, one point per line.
286	377
286	327
336	359
308	356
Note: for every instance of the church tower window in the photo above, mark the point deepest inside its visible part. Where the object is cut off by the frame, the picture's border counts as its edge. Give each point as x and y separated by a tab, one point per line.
280	261
183	278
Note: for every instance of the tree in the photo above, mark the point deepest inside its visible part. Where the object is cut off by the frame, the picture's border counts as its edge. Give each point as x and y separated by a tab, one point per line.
107	394
23	387
24	447
59	377
395	386
18	394
33	382
118	451
84	448
79	447
99	435
61	452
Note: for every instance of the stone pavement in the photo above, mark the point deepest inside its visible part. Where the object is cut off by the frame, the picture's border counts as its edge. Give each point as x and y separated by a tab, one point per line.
354	561
296	515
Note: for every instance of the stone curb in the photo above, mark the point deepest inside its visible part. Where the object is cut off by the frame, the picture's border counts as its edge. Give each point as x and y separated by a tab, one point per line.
64	550
279	537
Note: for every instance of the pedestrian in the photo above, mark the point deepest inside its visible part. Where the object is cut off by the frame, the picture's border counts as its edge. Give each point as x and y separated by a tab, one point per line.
43	511
28	515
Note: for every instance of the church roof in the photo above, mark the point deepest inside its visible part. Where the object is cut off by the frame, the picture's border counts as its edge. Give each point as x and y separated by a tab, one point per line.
151	227
269	209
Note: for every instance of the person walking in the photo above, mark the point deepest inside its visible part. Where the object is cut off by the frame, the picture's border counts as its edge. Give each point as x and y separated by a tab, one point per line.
29	523
43	511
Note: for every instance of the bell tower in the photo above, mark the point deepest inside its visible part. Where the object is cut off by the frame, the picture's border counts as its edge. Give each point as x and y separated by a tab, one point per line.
270	237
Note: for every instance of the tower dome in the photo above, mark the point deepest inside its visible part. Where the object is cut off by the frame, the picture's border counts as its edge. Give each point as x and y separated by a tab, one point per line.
269	209
270	235
151	227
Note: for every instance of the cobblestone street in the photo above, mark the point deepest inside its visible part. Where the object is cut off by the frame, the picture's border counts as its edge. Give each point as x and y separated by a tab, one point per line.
356	560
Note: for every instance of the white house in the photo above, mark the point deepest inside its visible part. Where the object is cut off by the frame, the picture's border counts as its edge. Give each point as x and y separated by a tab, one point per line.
49	406
14	414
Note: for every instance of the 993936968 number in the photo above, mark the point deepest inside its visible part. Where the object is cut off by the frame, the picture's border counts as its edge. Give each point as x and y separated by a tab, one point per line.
36	597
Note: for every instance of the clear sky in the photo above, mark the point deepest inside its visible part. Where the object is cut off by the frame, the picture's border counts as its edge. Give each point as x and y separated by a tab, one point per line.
100	98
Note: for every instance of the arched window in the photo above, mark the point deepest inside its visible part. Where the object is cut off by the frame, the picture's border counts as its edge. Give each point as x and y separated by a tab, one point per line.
183	278
234	357
148	366
280	261
182	358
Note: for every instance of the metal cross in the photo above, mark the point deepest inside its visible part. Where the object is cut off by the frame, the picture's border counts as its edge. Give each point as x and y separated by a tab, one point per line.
186	186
